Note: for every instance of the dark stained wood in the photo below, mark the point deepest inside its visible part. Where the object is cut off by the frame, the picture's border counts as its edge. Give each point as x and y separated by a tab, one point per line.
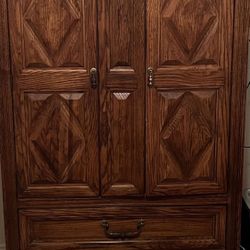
122	74
169	154
7	152
194	227
189	46
237	121
120	202
56	110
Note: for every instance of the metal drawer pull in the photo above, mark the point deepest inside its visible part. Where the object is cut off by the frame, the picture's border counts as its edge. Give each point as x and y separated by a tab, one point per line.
123	235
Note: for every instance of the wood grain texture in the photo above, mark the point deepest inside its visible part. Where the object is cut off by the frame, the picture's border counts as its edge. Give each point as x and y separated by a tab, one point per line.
122	96
188	142
56	110
192	200
188	47
45	43
7	152
169	154
192	227
237	121
189	33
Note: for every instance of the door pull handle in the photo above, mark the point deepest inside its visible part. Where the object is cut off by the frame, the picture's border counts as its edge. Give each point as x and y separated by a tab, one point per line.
122	235
93	78
150	73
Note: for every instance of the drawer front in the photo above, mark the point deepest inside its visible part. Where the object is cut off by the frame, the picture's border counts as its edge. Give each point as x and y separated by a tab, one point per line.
123	228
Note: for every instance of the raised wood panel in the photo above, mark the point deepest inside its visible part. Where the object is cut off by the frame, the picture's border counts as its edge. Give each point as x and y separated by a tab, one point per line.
190	33
54	33
185	130
121	43
175	227
121	18
57	134
122	152
56	110
189	46
56	137
188	134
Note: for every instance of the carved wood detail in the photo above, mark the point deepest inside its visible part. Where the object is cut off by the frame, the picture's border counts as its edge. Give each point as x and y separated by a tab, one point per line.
56	138
83	155
184	142
55	108
189	47
188	134
56	141
122	156
121	96
53	33
121	22
122	93
189	33
193	227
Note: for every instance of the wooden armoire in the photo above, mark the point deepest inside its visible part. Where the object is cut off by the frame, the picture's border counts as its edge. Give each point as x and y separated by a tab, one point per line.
122	123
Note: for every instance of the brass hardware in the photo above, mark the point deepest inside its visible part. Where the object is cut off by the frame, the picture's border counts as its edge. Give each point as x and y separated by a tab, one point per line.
122	235
93	77
150	76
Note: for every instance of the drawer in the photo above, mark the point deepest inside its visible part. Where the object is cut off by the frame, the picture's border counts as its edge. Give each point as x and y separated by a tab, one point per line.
123	228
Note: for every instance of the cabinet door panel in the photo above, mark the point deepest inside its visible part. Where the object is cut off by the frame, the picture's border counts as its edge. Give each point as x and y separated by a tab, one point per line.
56	110
189	43
121	41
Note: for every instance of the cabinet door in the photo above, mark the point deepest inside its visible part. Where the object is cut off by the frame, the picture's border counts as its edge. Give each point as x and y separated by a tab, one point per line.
56	110
122	74
189	49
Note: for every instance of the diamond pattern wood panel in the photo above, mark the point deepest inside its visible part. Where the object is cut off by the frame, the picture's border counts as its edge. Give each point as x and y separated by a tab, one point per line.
188	47
188	134
184	143
53	33
55	137
56	109
188	131
189	32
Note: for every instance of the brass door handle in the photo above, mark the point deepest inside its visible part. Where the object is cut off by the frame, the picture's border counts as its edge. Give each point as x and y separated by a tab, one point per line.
122	235
150	73
93	78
